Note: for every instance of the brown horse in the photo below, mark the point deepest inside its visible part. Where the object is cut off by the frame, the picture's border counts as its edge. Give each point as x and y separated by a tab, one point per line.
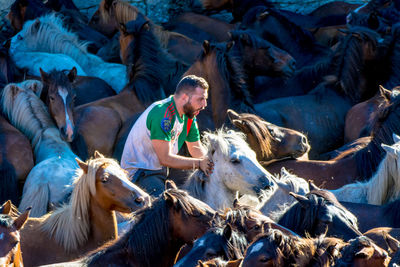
384	237
111	13
225	76
63	90
88	221
270	142
10	248
175	218
355	163
16	161
8	70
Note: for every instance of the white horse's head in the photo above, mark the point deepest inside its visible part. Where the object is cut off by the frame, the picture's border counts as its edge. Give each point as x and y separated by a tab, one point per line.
235	163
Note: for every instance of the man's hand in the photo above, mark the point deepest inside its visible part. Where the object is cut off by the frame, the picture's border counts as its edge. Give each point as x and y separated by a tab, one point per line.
207	166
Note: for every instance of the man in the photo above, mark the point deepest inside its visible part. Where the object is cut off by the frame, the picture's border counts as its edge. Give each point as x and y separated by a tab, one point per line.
158	134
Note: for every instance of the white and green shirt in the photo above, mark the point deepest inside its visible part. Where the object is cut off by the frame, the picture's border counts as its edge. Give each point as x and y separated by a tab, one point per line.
160	121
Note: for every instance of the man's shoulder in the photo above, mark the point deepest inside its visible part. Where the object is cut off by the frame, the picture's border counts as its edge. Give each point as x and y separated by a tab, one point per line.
161	112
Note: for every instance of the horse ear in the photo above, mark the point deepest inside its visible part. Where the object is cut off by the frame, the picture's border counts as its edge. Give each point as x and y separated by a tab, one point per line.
108	4
236	203
201	264
229	45
20	221
169	184
72	75
82	165
234	263
122	28
385	93
396	138
266	227
206	46
98	155
36	26
304	202
232	115
364	252
391	242
312	186
43	75
263	15
6	208
373	21
227	233
170	199
14	89
278	238
389	150
37	88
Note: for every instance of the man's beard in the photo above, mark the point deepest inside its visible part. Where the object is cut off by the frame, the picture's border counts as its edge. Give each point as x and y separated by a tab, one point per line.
189	110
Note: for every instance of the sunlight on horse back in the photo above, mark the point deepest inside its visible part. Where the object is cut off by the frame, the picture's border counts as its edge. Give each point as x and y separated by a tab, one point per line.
235	169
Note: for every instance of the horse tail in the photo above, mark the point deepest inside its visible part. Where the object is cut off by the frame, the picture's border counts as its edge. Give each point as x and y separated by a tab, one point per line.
8	183
36	196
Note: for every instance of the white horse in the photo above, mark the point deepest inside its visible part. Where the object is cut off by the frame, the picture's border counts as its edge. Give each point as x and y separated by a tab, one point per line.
33	61
236	169
47	34
383	187
50	181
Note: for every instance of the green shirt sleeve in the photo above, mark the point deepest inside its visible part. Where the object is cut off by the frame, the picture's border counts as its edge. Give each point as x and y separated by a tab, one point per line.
194	134
155	121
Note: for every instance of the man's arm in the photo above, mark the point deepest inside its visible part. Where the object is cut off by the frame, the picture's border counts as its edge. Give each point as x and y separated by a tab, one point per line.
196	149
166	158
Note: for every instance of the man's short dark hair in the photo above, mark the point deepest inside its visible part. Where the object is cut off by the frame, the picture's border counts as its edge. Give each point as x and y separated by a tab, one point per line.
188	84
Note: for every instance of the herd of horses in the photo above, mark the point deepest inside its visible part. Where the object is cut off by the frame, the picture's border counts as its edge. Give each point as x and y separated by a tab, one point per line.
302	124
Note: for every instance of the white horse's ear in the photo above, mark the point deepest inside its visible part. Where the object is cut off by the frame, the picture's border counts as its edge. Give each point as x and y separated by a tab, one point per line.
284	172
82	165
396	138
98	155
389	149
304	202
213	142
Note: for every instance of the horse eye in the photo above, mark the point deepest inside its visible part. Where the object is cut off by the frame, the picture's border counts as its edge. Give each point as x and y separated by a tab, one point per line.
51	98
256	227
235	161
19	37
263	259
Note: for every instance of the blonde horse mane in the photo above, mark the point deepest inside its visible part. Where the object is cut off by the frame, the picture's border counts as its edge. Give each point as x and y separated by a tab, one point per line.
49	35
384	186
69	225
25	111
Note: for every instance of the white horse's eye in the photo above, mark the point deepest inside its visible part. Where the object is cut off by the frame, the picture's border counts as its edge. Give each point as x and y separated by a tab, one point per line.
235	161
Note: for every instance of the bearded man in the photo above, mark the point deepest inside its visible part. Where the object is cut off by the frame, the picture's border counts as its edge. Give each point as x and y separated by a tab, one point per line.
158	134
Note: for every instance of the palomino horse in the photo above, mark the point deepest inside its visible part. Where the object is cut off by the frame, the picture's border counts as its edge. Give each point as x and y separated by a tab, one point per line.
219	241
112	13
10	248
270	142
47	34
218	262
384	185
173	219
226	79
16	161
353	79
236	169
101	187
62	90
49	181
350	166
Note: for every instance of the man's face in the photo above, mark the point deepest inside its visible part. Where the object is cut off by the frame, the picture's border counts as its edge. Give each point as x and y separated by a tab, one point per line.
196	102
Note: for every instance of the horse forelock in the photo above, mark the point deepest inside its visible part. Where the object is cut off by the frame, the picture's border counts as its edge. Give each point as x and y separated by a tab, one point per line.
26	111
70	224
260	132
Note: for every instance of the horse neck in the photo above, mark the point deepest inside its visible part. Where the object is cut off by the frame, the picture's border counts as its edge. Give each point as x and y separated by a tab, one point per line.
218	196
161	34
103	224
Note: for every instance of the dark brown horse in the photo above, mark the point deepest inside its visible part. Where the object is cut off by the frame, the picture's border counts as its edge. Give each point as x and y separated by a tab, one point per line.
16	161
321	114
111	13
270	142
10	249
175	218
226	79
63	90
354	163
8	70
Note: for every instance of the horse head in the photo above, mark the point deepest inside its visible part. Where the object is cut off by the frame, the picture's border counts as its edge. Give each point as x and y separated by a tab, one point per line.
10	250
59	95
268	140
